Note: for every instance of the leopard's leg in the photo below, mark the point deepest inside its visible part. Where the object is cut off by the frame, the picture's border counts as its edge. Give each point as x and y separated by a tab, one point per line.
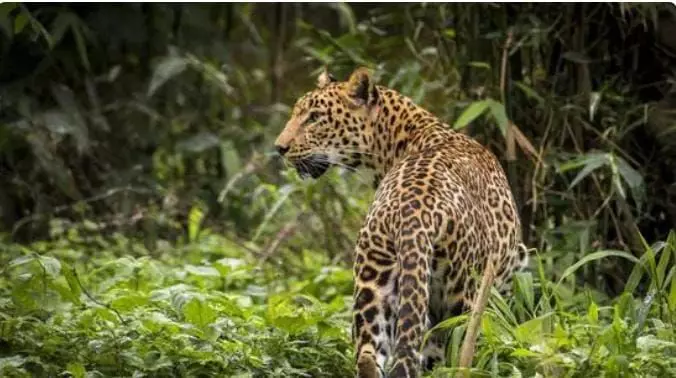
413	252
434	351
376	273
441	307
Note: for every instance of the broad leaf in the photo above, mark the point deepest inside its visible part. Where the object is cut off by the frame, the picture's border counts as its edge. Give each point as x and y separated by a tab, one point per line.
166	69
470	114
498	111
591	162
199	313
596	256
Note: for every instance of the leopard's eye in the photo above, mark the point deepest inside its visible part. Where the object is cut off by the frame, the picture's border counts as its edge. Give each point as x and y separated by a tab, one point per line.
312	118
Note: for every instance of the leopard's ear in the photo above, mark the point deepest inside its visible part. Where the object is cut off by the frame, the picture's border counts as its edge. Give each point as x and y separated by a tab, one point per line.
325	78
360	88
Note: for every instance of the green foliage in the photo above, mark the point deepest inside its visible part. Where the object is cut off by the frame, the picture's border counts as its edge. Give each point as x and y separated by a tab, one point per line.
204	309
148	229
475	109
210	308
568	332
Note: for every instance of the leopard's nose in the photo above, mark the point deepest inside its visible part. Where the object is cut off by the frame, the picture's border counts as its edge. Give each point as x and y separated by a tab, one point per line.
282	150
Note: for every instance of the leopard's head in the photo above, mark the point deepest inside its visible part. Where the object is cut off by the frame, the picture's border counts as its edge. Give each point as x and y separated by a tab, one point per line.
331	125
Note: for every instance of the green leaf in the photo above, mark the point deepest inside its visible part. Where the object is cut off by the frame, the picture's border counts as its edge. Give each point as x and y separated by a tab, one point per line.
77	29
200	142
199	313
635	275
156	321
128	300
596	256
70	119
672	294
202	271
37	26
346	15
648	343
617	183
23	260
647	264
286	313
166	69
6	25
581	161
491	329
11	361
498	111
71	279
593	313
76	369
521	352
51	266
504	312
64	291
633	179
20	23
231	162
445	324
7	8
456	343
104	314
591	162
471	113
530	92
524	286
663	264
576	57
211	73
594	102
195	218
449	33
482	65
531	332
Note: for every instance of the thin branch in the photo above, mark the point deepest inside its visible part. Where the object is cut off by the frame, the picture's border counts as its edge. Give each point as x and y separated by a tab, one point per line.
513	135
253	165
481	299
91	298
59	209
283	234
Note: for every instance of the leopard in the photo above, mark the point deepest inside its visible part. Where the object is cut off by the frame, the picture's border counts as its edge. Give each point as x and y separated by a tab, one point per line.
442	215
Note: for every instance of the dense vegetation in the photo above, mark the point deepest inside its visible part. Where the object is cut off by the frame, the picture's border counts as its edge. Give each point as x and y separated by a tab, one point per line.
147	229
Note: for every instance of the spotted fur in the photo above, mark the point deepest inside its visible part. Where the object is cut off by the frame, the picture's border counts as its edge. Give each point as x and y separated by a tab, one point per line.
442	211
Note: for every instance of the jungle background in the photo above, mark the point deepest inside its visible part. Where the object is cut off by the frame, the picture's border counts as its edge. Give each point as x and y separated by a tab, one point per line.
148	228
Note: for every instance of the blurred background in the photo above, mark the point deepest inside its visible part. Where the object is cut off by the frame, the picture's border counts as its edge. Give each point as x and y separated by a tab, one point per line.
130	116
138	129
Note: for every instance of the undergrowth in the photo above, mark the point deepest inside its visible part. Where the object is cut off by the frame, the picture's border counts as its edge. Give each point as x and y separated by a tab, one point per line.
201	309
92	306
